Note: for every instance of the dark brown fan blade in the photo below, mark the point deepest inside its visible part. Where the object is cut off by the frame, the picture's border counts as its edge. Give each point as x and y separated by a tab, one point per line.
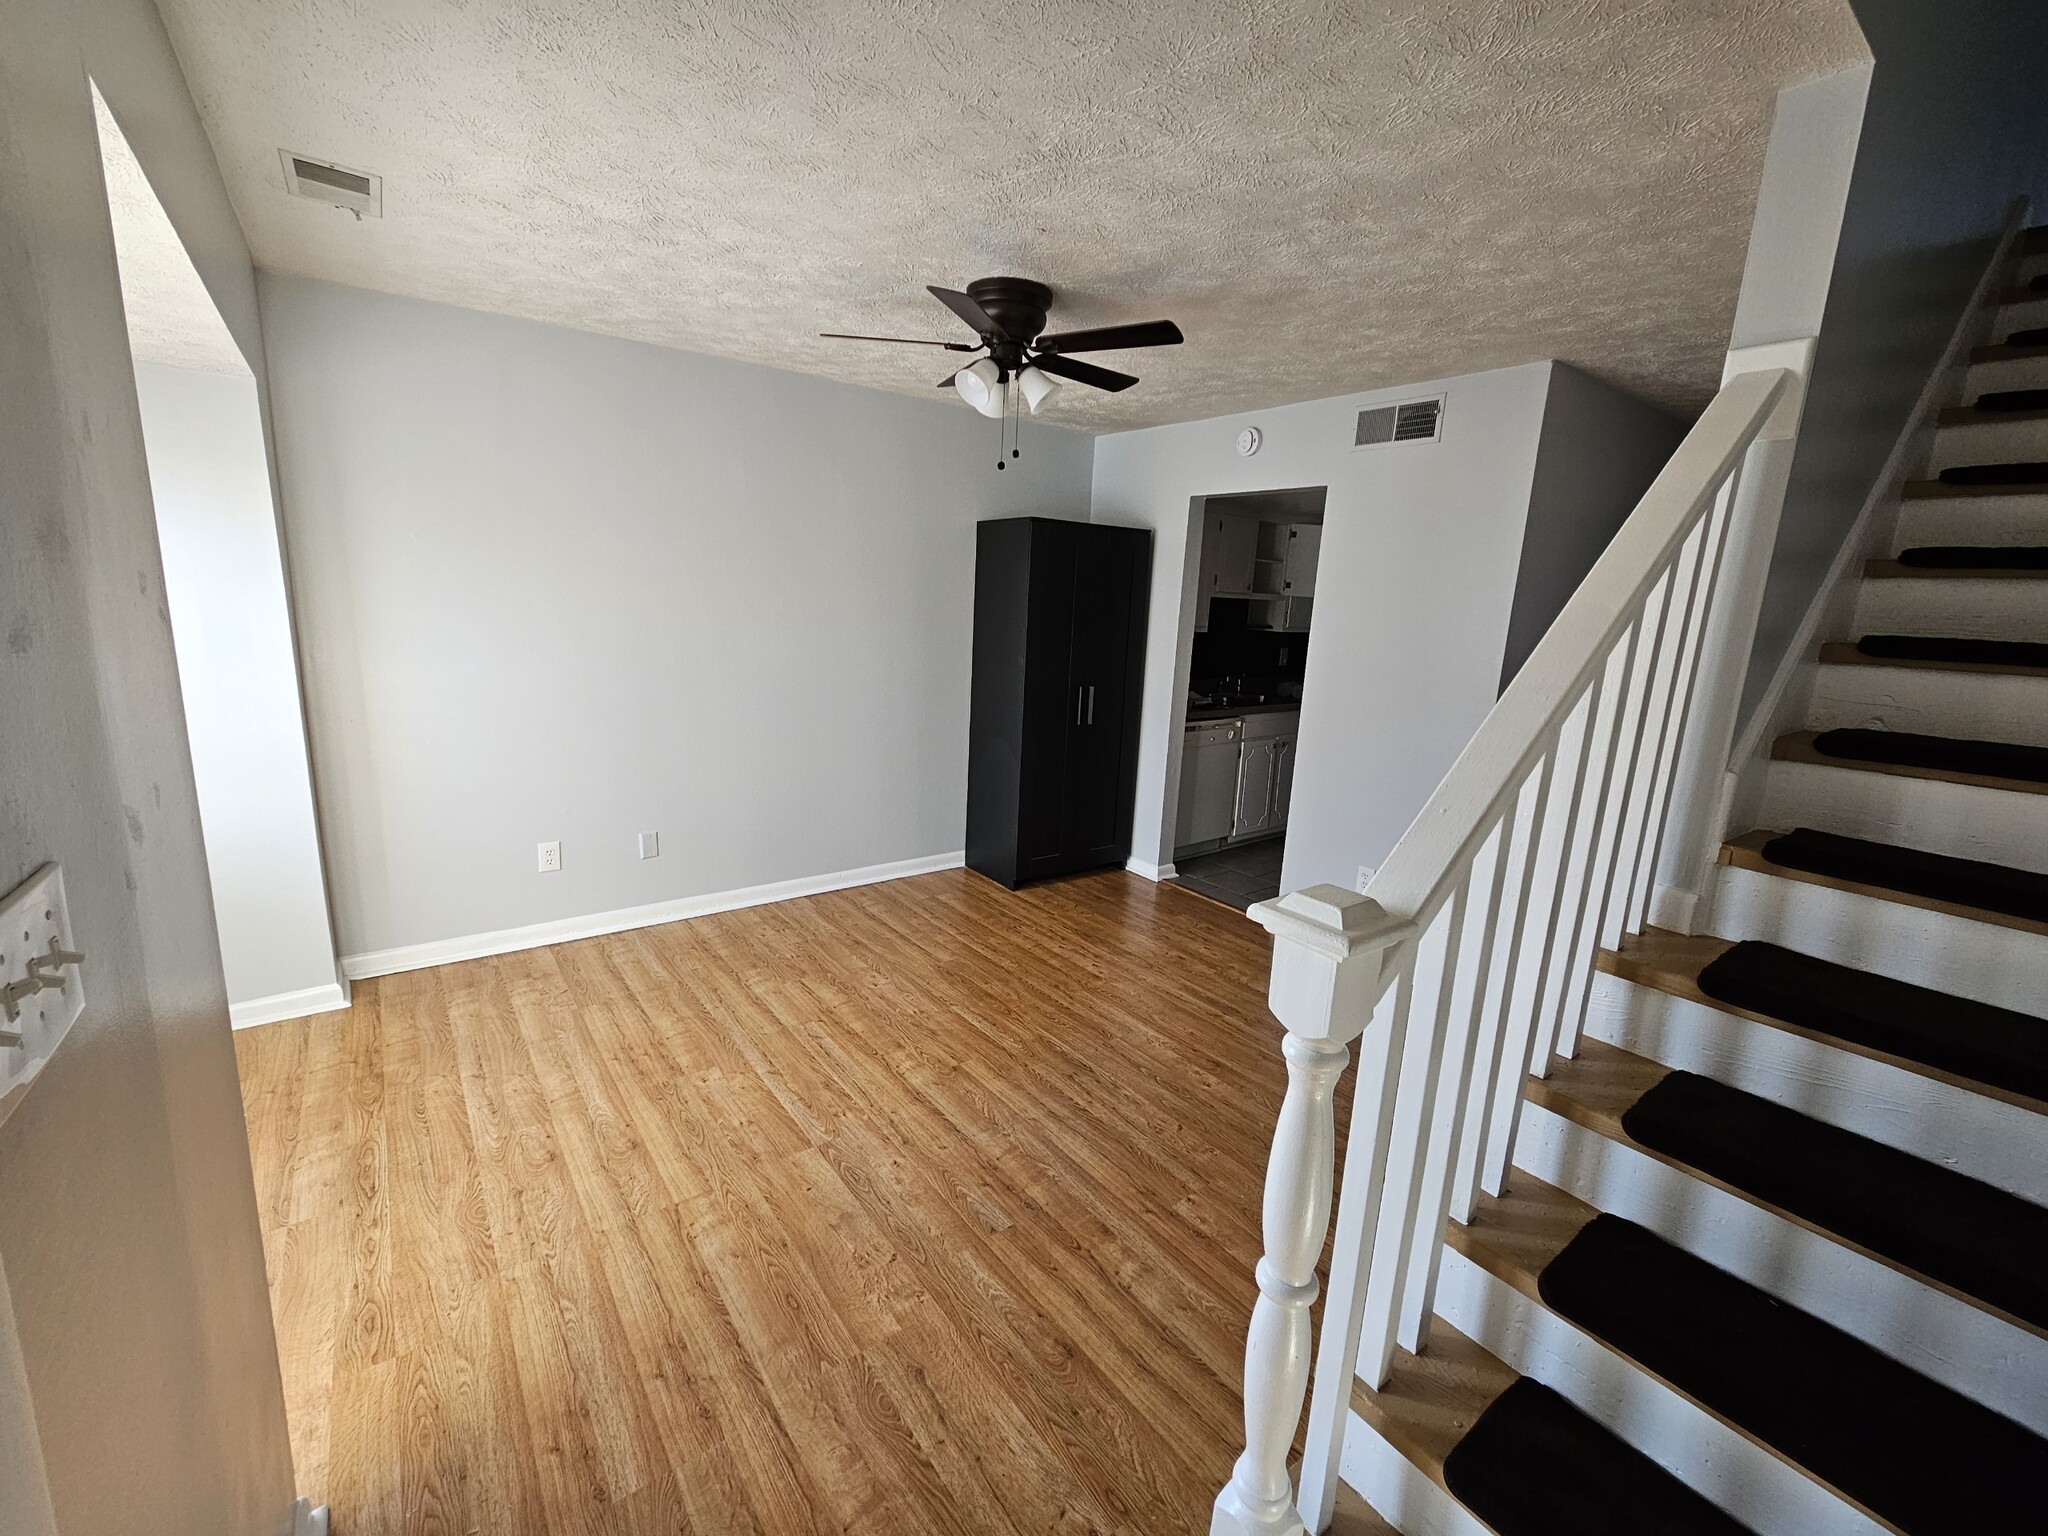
907	341
1108	338
967	309
1082	373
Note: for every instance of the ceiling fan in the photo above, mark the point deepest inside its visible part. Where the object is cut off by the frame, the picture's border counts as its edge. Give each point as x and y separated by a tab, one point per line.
1007	314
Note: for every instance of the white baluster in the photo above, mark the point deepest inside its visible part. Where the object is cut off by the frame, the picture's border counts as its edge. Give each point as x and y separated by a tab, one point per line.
1327	955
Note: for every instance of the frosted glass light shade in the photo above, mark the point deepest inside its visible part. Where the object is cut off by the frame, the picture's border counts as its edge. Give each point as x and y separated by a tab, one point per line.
1038	388
980	385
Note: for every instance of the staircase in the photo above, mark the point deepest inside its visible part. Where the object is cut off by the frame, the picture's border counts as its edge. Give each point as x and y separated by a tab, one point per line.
1762	1242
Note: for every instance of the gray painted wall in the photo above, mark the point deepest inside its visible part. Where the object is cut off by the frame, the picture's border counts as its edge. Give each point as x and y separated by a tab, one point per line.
552	585
1599	450
224	579
1421	545
128	1228
1952	131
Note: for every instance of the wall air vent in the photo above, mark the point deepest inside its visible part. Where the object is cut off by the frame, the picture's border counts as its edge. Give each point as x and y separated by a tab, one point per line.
1413	421
357	191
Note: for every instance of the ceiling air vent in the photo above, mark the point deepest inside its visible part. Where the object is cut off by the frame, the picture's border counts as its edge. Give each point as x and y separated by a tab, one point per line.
357	191
1413	421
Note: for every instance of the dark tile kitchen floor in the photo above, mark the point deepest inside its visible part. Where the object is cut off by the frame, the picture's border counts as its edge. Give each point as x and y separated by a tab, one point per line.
1237	877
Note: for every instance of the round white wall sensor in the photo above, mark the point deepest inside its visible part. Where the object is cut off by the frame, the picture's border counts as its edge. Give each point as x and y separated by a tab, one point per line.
1248	441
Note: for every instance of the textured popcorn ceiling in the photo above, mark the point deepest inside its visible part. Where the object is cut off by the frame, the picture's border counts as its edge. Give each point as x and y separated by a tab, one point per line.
1328	195
171	317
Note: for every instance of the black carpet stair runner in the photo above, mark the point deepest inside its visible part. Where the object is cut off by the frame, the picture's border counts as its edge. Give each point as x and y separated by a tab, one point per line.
1995	653
1977	557
1996	1046
2027	472
2013	400
1937	876
1533	1465
1980	1240
1951	754
1920	1455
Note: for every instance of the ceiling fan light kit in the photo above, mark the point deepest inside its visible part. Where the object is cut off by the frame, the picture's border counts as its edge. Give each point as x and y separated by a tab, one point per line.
1020	365
980	384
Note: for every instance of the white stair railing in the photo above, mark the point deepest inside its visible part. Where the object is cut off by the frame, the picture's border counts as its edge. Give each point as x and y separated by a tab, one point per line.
1467	962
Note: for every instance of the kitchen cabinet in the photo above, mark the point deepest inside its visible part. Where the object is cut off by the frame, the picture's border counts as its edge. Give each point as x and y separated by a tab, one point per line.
1255	770
1059	638
1304	554
1265	774
1230	548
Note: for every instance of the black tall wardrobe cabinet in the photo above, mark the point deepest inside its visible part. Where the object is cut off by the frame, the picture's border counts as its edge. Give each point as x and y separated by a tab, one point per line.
1059	655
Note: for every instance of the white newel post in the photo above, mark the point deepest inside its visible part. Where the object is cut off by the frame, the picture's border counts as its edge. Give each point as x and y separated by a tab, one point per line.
1328	945
1700	783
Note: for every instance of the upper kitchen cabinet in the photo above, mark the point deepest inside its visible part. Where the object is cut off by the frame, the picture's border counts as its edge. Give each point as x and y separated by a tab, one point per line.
1304	552
1059	637
1230	548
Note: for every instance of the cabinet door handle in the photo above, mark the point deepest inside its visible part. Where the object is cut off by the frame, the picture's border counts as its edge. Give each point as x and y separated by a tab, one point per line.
1091	703
1079	695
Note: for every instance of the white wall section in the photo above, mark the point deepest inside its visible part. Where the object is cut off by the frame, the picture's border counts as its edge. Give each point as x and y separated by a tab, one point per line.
1422	562
1599	451
558	586
224	579
128	1227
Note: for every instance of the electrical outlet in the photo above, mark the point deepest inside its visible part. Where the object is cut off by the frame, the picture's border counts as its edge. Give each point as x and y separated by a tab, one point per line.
550	857
650	845
1365	874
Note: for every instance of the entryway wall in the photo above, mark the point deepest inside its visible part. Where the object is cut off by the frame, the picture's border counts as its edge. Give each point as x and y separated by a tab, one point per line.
1421	581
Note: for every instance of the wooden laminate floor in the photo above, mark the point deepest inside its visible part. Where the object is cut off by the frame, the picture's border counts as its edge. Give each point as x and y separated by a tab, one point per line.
923	1207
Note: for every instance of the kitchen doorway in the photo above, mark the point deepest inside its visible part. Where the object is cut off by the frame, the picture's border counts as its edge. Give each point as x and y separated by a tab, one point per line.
1252	618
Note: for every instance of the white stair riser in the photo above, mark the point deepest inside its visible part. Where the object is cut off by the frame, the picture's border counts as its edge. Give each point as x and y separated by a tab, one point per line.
1997	826
1764	1493
2013	373
1987	1139
1991	963
1998	442
1923	1328
2027	314
1971	520
1963	608
1400	1491
1982	706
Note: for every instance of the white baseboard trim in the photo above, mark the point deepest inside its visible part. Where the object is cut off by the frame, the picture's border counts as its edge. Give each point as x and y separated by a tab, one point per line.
289	1005
475	946
1153	872
308	1521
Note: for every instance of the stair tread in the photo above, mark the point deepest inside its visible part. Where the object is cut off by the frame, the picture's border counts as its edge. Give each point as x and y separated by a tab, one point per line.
1533	1465
1962	1236
1842	653
1917	1454
1919	489
1997	472
1899	570
1968	888
1989	415
1972	557
1437	1410
1355	1517
2030	655
2006	352
1910	754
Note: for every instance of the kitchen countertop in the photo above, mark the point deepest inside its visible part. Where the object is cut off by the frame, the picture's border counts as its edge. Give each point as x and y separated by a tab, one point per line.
1199	714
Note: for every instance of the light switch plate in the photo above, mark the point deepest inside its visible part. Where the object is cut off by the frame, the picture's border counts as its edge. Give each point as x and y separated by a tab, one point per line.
650	845
34	917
